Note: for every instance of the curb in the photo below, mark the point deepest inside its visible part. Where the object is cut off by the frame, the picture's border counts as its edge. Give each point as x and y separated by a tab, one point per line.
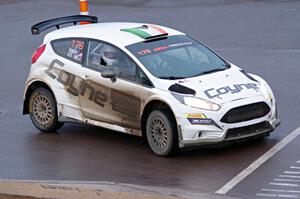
21	189
4	196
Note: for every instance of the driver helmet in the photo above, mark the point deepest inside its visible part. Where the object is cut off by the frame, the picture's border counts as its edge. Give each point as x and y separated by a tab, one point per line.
110	56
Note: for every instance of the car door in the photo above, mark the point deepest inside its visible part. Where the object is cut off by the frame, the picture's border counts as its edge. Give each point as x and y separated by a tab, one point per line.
112	100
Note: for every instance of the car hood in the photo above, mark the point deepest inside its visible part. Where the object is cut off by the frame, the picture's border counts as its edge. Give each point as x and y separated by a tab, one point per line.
219	87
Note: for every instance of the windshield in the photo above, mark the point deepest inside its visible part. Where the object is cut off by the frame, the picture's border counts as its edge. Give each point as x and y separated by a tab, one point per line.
177	57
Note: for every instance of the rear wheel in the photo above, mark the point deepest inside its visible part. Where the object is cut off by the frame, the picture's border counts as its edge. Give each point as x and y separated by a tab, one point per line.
161	132
43	110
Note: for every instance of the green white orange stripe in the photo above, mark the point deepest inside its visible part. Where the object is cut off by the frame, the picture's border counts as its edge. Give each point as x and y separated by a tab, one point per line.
158	29
146	31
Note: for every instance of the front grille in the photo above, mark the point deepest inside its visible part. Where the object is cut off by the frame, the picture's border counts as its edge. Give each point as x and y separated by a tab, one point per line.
245	113
254	129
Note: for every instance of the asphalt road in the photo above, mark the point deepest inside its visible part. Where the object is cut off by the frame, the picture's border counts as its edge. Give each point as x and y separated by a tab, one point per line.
262	37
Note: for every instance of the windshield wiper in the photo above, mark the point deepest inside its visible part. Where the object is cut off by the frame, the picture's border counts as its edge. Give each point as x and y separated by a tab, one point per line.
202	73
171	77
214	70
210	71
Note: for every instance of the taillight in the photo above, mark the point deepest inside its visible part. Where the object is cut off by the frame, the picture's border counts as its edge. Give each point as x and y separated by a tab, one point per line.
37	53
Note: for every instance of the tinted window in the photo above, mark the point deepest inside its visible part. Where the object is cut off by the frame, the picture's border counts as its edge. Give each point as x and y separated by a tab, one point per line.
101	56
177	57
71	49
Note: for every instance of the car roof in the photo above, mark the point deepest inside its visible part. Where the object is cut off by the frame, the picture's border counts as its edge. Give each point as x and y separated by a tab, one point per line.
110	32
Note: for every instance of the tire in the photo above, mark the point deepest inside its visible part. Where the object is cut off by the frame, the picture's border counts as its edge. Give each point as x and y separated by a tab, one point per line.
43	111
162	133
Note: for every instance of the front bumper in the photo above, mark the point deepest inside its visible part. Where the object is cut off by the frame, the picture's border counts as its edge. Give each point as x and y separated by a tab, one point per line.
219	132
242	133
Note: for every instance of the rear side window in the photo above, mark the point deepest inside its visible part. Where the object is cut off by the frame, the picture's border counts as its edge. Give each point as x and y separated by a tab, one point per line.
71	49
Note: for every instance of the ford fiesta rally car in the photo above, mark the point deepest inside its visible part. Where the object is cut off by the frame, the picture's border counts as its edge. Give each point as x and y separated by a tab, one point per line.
146	80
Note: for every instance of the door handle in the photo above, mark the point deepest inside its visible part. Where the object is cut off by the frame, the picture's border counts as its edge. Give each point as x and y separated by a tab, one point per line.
86	77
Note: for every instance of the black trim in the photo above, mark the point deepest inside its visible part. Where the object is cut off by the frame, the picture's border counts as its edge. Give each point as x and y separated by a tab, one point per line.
248	76
178	88
156	38
250	130
25	108
246	113
277	123
42	26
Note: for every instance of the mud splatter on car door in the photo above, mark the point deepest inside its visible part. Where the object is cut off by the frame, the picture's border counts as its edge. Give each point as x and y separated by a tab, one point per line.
126	104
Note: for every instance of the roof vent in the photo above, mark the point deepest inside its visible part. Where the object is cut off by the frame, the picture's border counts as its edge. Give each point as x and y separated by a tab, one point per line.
147	31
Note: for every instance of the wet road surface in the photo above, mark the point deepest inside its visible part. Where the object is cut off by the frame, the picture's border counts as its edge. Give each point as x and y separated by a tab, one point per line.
262	37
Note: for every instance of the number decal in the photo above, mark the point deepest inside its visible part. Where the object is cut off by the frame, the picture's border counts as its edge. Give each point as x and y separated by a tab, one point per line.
144	52
77	44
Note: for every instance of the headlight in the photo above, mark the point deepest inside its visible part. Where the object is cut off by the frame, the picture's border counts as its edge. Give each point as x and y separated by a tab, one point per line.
266	92
201	103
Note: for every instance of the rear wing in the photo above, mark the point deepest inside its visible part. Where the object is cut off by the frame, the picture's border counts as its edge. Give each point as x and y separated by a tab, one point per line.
42	26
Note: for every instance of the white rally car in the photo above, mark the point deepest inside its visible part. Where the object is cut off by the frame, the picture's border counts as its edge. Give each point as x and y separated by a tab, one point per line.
146	80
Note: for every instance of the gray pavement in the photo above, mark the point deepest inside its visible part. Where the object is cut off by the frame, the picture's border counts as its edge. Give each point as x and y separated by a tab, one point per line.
262	37
278	176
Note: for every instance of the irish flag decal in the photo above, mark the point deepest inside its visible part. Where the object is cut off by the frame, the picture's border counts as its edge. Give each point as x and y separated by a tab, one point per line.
146	31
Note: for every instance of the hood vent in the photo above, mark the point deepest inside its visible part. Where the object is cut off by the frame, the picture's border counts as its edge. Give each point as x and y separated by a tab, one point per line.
177	88
248	76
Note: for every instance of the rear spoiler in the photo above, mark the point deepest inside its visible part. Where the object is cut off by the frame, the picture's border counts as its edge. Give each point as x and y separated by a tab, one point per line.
42	26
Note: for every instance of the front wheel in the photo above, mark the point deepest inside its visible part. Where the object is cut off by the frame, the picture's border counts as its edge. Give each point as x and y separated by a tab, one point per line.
162	133
43	110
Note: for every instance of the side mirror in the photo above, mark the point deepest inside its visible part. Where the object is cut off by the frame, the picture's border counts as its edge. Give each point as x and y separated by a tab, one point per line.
109	74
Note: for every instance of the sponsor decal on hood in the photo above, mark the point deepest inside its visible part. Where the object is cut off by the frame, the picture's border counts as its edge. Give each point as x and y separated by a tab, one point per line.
222	87
236	88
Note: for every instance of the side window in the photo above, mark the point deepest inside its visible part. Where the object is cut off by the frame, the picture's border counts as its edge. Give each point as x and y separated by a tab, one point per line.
71	49
142	78
101	56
